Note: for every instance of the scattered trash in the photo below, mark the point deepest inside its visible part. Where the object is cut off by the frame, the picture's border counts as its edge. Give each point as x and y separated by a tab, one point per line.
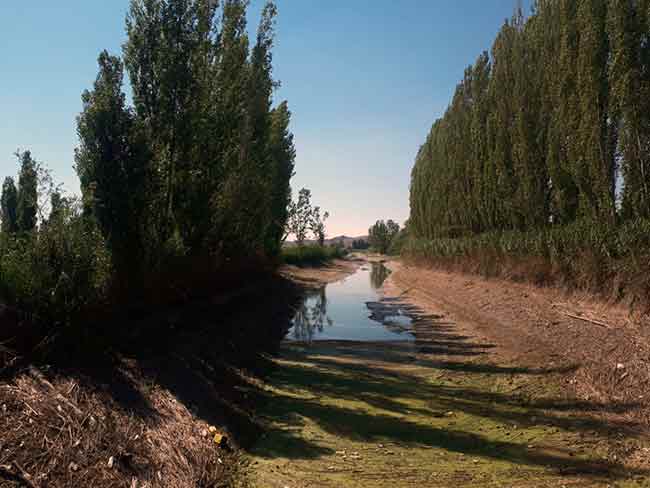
111	462
73	467
620	366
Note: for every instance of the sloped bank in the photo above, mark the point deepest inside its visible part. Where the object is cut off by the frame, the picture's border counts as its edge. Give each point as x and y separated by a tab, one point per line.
139	413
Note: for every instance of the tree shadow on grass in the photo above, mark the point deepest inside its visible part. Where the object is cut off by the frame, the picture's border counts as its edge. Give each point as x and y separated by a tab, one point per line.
373	404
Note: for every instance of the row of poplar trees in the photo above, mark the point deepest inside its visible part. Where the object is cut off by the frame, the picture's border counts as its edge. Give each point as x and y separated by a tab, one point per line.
200	163
552	127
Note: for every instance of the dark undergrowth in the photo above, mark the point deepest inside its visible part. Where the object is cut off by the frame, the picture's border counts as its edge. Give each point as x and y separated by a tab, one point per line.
145	392
610	262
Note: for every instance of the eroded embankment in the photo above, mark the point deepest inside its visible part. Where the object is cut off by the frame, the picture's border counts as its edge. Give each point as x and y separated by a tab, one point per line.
462	406
541	327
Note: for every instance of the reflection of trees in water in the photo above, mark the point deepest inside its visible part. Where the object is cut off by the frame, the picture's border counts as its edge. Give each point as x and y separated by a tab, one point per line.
311	317
378	274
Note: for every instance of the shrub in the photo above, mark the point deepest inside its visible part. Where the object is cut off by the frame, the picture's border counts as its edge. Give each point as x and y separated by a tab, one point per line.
55	273
311	255
602	259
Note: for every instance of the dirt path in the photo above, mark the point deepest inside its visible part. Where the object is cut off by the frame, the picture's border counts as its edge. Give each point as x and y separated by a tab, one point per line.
465	405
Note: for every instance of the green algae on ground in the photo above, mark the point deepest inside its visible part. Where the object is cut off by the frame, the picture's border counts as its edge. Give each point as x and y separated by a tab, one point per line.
371	415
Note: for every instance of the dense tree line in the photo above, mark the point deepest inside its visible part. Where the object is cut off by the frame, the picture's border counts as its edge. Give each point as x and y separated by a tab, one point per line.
197	167
360	244
552	127
382	234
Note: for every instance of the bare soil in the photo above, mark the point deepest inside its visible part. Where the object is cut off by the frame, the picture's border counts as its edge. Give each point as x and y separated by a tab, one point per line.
607	347
321	275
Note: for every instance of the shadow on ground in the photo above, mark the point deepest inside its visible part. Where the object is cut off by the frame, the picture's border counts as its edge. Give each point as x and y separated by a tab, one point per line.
422	395
206	353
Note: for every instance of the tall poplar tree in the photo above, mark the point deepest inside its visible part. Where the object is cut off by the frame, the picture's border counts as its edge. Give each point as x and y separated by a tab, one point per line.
27	205
112	162
9	206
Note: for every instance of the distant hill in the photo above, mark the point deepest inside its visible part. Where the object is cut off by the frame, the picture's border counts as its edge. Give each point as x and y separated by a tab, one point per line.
345	240
342	239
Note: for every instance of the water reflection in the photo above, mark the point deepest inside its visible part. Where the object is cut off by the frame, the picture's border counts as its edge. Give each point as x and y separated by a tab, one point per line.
311	317
351	309
378	274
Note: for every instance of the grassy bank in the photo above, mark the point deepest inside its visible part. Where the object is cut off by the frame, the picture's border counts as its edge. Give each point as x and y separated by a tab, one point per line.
360	415
311	255
605	260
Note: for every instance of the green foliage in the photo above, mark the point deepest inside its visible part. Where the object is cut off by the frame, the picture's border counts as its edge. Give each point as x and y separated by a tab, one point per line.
382	234
585	254
197	171
302	218
527	159
59	273
317	225
536	132
399	241
283	155
112	162
360	244
221	156
9	206
27	205
311	255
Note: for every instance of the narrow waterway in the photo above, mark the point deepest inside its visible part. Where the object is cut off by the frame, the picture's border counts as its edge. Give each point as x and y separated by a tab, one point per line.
351	310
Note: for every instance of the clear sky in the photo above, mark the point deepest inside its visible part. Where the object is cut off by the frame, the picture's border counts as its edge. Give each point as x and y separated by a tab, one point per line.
365	79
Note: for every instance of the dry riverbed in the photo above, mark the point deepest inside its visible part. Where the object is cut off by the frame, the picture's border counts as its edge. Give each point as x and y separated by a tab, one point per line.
472	402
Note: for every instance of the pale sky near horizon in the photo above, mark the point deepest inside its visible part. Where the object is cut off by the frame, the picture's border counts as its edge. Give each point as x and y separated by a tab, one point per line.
365	79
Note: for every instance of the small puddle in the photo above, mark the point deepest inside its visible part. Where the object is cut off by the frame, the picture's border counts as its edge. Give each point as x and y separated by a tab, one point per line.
351	310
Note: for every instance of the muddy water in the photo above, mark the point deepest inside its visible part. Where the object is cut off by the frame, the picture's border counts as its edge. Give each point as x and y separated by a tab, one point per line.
351	310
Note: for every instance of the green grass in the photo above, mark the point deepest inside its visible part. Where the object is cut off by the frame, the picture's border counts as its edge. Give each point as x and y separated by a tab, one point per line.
362	415
311	255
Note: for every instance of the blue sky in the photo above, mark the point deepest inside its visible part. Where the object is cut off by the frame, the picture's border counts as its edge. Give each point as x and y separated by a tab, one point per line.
365	79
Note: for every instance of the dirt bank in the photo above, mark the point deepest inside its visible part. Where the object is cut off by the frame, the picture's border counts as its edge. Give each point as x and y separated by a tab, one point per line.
140	414
608	349
321	275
